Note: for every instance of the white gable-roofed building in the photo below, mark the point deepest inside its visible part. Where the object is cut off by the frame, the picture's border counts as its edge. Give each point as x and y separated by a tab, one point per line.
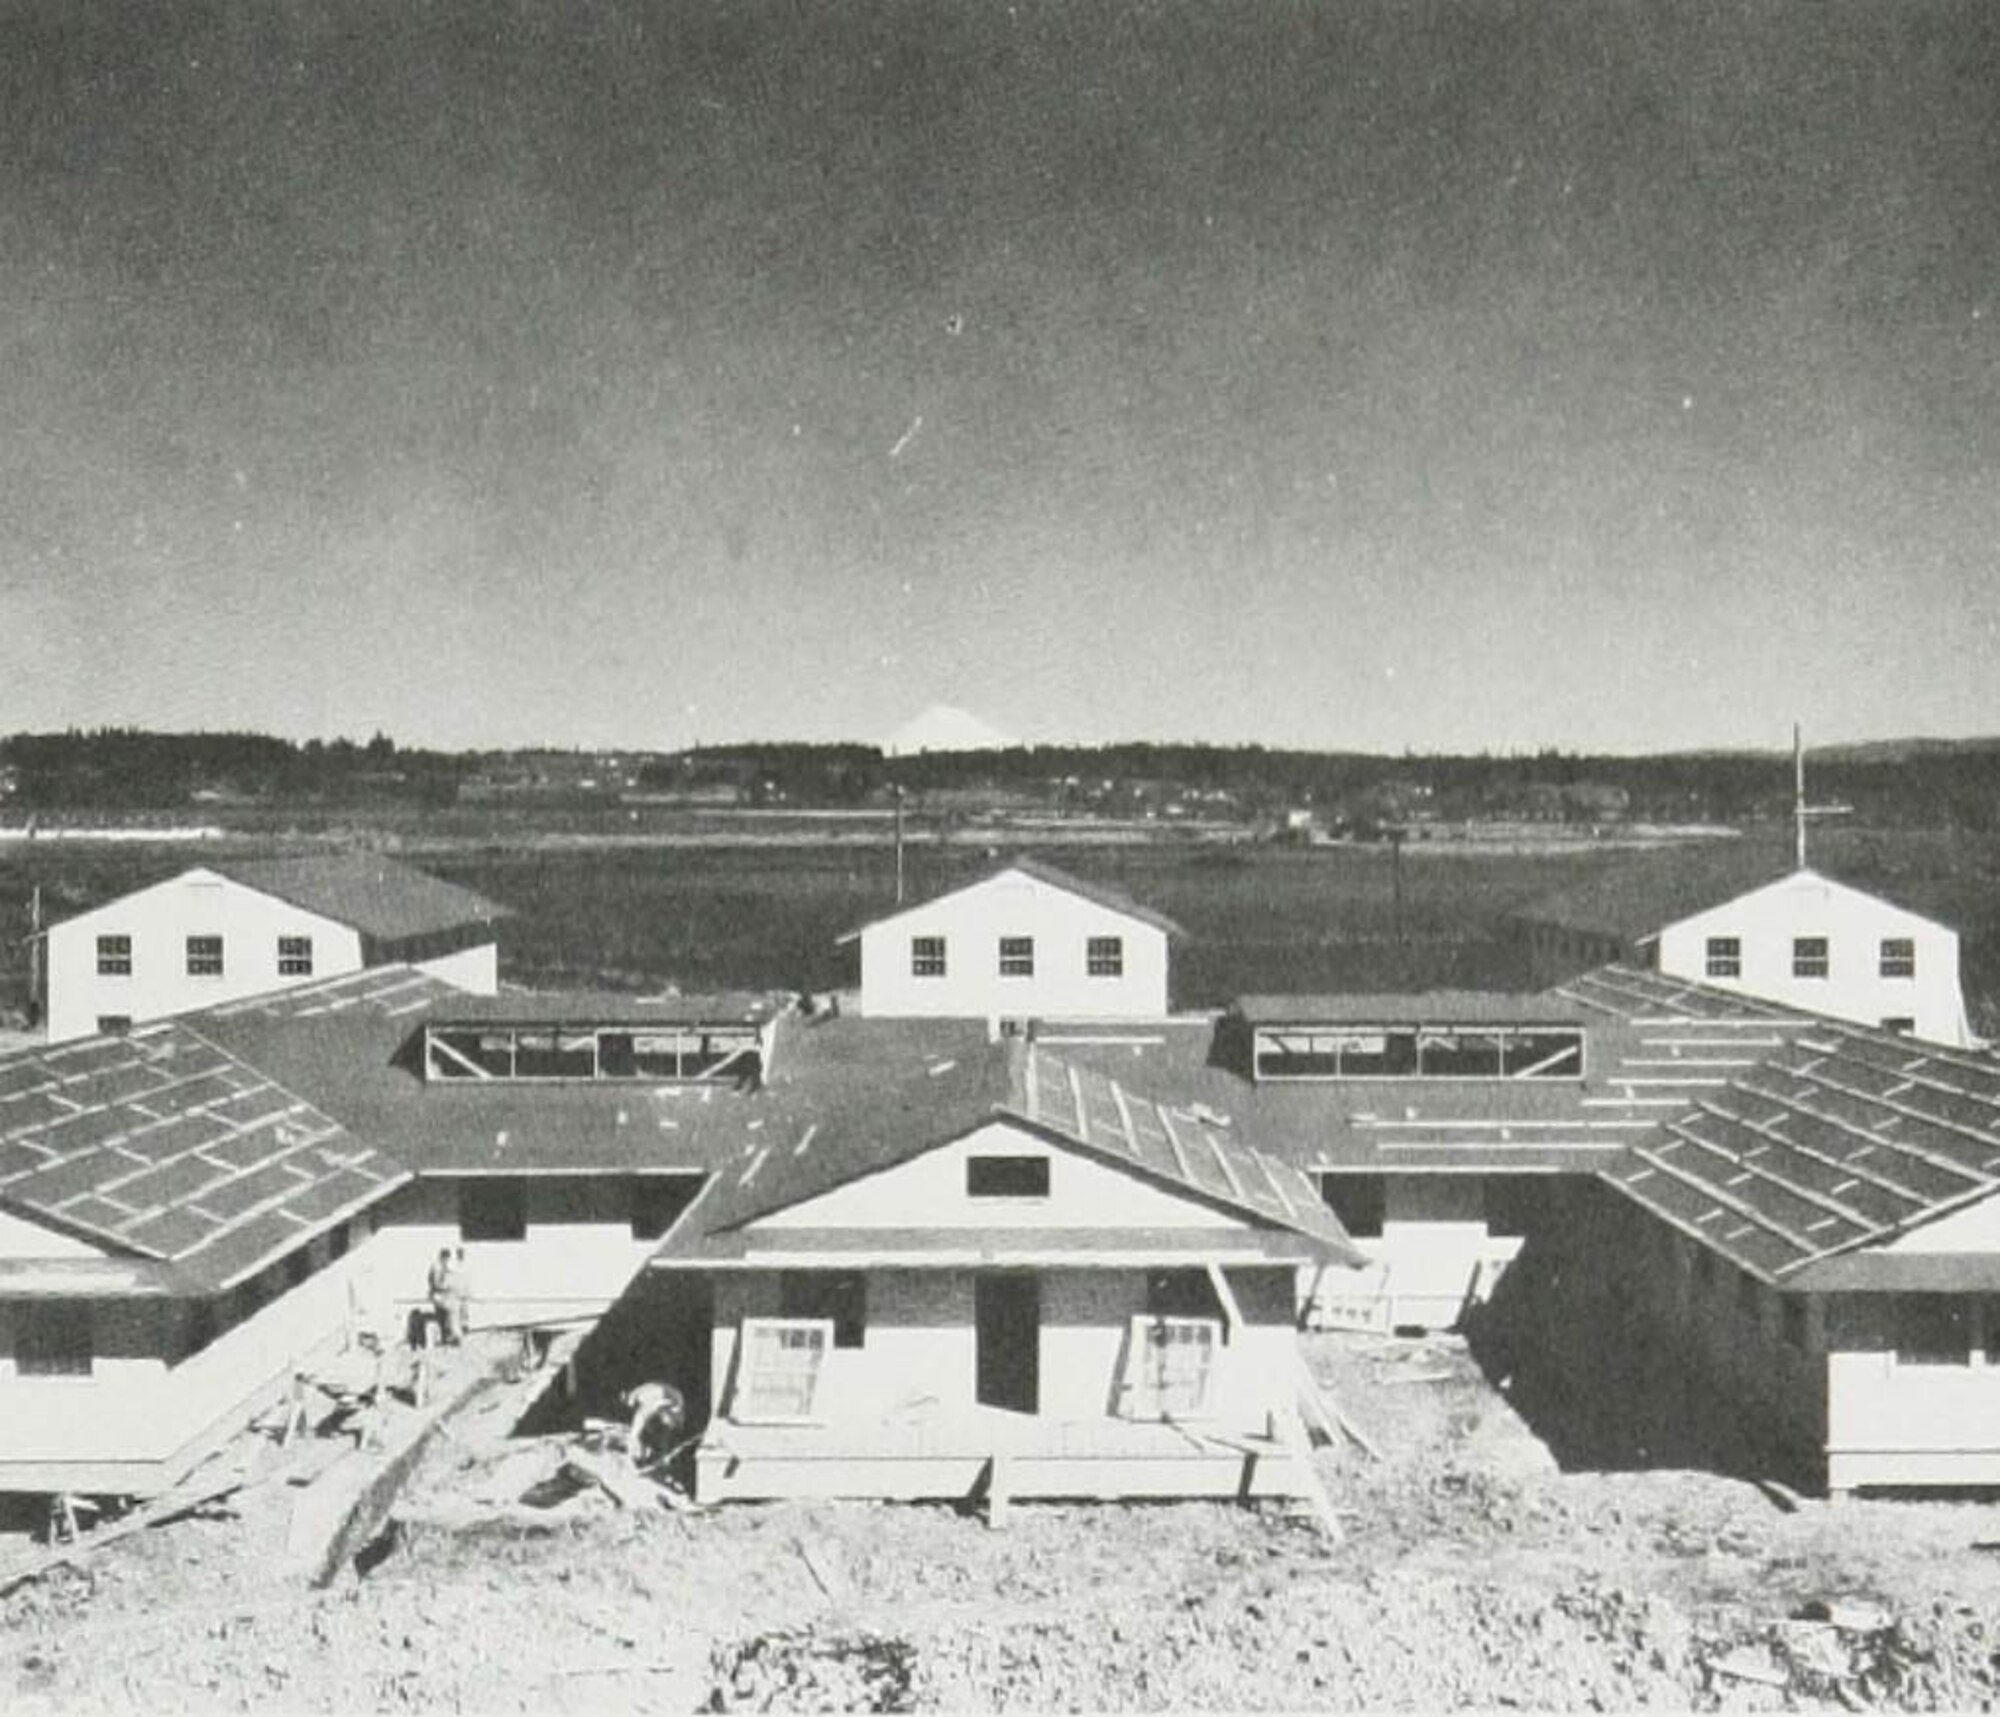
995	1269
1812	943
1027	941
218	932
1737	917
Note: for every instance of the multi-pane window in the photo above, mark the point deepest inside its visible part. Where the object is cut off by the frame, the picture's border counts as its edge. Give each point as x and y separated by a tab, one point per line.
838	1297
777	1368
1104	957
295	956
1899	957
518	1052
1017	956
1809	957
204	956
53	1339
1725	957
926	956
1418	1052
1169	1365
114	956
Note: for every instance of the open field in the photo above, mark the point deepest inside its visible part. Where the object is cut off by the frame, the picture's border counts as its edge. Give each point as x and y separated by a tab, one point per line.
1471	1571
632	912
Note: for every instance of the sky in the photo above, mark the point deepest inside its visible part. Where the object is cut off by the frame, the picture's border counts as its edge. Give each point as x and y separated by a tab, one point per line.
1329	373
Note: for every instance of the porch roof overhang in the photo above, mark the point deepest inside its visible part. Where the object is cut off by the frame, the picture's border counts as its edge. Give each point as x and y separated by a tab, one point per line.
87	1278
1901	1272
987	1248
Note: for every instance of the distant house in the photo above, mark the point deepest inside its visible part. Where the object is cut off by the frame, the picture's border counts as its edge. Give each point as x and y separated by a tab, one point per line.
220	931
1027	1281
1027	941
1734	917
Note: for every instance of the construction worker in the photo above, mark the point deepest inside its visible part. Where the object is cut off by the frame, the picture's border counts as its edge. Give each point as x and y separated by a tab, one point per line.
461	1292
444	1297
658	1414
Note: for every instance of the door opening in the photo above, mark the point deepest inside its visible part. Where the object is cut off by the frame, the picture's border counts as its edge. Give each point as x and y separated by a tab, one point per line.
1007	1342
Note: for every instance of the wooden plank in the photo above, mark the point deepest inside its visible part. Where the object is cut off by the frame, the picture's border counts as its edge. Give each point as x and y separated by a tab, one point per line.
1232	1313
1125	1120
1174	1143
1076	1097
1308	1386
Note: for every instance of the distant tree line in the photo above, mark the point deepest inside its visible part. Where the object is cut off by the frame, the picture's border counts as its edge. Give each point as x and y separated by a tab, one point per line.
120	767
1933	784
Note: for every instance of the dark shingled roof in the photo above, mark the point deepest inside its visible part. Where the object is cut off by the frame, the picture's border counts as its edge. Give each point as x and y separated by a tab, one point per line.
1637	1067
1103	895
1840	1139
826	1145
378	896
164	1146
843	1097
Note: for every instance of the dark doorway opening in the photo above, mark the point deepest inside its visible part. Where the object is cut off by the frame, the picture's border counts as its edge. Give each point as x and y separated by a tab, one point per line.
1007	1342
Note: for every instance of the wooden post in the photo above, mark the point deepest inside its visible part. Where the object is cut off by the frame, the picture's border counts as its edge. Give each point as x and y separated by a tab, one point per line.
997	1497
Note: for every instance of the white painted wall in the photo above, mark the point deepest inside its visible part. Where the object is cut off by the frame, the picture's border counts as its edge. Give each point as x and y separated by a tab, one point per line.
919	1358
973	920
929	1192
146	1405
1766	920
159	919
1435	1243
577	1257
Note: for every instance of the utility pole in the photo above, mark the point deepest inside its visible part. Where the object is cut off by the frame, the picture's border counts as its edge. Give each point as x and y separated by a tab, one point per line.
897	790
1396	837
1801	811
35	954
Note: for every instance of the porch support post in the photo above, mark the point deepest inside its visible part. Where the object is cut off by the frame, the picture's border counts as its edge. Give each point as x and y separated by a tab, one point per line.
1232	1313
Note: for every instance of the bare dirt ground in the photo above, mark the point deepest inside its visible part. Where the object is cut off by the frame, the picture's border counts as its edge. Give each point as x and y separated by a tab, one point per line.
1470	1573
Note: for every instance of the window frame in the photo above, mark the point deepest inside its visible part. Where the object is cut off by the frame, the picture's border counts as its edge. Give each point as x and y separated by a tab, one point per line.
1016	956
1722	957
929	957
1806	963
1104	956
1145	1384
295	956
771	1335
1902	964
114	956
1006	1164
199	954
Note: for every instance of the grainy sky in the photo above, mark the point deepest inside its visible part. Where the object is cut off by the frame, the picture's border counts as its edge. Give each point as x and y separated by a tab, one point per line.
1319	372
